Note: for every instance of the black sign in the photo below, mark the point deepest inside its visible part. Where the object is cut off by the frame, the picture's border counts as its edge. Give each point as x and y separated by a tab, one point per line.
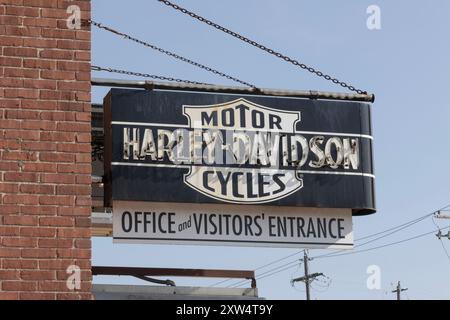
191	147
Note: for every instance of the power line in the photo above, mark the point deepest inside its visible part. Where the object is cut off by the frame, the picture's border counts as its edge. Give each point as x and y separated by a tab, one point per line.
393	229
263	275
442	243
170	54
345	254
399	226
276	272
262	47
261	267
383	246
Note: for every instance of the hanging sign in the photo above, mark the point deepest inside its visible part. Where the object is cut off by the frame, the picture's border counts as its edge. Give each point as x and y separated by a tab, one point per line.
236	225
199	148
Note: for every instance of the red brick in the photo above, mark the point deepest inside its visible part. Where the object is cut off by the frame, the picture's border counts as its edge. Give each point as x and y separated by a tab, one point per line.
39	253
9	253
20	220
39	125
56	200
40	84
22	11
9	231
38	232
74	66
56	221
19	242
9	209
22	93
83	243
40	210
10	20
83	222
39	43
19	155
20	264
74	253
39	64
57	54
37	275
73	190
11	41
45	150
8	188
57	75
74	233
37	295
11	83
37	189
39	167
39	146
75	211
9	295
40	22
20	52
23	31
55	243
74	168
22	134
21	73
56	157
74	85
19	285
39	105
58	178
10	62
9	275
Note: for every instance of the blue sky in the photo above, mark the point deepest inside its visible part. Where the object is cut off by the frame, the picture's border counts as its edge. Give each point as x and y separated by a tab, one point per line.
405	64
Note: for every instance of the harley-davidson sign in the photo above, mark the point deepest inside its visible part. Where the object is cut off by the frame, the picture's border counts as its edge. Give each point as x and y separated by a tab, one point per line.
190	147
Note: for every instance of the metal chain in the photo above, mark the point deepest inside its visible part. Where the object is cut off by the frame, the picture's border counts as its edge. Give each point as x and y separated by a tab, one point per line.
146	75
171	54
262	47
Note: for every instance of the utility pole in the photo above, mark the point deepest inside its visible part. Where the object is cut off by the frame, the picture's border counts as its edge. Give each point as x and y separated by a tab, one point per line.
399	290
307	278
440	215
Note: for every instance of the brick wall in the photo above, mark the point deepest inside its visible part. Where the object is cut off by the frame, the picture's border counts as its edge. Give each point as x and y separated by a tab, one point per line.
45	152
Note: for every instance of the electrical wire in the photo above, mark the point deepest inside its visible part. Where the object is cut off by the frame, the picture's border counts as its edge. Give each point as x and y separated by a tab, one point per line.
261	267
262	275
395	230
391	231
442	243
354	252
385	245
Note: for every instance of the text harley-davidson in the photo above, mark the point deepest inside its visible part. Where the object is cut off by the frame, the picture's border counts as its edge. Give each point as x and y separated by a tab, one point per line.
240	152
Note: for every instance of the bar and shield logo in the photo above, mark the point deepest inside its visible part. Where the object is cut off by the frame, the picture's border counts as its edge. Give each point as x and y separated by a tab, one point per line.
240	143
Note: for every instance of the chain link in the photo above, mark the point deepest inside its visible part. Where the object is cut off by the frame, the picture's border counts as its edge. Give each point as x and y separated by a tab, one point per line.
171	54
263	47
146	75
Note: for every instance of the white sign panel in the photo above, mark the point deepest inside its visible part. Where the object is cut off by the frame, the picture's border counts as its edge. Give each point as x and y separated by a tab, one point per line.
236	225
